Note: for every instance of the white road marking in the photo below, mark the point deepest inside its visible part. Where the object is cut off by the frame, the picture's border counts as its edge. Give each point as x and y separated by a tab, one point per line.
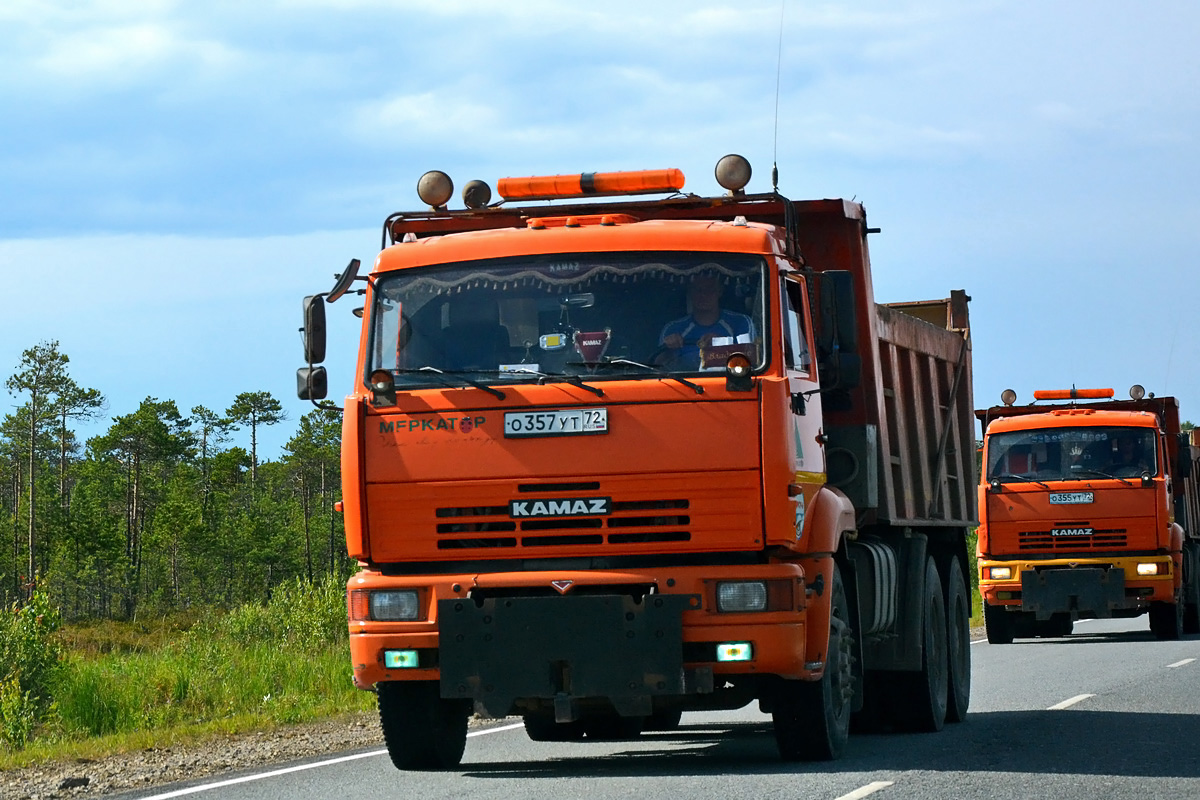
1069	703
870	788
1180	663
277	772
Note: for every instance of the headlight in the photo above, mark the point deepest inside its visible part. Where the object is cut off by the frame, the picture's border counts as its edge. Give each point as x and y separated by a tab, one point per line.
391	606
1153	568
999	573
742	596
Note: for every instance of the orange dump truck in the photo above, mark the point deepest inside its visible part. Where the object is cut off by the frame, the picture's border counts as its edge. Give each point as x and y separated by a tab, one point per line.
1088	509
606	461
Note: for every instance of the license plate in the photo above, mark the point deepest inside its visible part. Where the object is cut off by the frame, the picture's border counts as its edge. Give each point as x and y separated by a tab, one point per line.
1069	498
1071	532
567	422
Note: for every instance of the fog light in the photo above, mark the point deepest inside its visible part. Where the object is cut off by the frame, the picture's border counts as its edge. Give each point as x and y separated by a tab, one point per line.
400	659
735	651
394	605
1153	568
998	573
742	596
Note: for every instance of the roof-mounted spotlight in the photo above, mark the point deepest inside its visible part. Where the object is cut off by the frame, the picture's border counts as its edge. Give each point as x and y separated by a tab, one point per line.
733	173
477	194
1137	391
1008	397
435	188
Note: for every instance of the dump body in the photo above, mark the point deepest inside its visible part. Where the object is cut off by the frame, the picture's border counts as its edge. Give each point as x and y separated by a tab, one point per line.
1087	511
563	516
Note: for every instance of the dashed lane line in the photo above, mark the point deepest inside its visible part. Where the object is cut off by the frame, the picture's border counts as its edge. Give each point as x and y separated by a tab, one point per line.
1068	703
1180	663
869	789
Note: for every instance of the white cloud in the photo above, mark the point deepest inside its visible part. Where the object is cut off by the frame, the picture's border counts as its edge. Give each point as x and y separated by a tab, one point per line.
122	53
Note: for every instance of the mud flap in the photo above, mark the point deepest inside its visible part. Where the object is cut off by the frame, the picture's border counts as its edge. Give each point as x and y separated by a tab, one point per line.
1082	589
563	649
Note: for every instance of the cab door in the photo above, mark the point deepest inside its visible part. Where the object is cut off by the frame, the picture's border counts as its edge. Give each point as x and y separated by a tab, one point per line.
807	448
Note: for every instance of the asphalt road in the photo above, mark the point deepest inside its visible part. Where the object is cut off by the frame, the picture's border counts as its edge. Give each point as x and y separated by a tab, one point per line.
1107	712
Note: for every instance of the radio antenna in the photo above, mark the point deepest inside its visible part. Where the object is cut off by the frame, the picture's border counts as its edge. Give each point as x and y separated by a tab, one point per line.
778	72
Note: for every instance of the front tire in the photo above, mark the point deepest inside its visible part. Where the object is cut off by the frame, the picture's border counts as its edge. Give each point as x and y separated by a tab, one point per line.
422	731
1166	620
812	718
1000	625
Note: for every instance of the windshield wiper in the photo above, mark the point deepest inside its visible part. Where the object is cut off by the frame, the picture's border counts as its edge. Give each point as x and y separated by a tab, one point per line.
1105	475
1020	478
653	370
574	380
448	379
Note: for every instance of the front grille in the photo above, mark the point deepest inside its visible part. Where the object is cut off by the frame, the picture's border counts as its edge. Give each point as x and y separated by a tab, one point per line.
629	523
1100	539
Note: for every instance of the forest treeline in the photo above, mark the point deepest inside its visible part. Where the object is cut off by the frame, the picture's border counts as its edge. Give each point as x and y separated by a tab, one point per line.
165	510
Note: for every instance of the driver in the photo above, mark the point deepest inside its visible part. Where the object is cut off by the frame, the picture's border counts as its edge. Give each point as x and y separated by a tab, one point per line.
1128	459
683	338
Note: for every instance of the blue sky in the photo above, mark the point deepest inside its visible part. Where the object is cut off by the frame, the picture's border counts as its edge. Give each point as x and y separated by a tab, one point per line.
177	176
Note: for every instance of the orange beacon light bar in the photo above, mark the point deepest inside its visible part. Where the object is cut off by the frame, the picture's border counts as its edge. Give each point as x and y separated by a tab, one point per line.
1073	394
591	184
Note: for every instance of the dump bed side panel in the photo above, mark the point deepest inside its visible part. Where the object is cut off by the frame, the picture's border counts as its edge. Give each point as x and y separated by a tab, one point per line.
901	443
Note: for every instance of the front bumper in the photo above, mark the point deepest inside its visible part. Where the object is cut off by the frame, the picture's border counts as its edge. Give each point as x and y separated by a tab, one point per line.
497	641
1082	587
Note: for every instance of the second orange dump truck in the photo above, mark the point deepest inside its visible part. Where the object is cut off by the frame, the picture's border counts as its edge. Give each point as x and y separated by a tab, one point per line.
606	461
1088	509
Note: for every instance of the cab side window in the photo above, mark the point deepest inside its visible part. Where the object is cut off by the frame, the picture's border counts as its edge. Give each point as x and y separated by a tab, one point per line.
795	343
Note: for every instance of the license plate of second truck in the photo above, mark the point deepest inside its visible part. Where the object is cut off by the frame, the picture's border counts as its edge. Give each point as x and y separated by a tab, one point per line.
1071	498
567	422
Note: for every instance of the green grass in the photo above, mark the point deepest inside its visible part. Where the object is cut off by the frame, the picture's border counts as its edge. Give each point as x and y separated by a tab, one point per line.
123	685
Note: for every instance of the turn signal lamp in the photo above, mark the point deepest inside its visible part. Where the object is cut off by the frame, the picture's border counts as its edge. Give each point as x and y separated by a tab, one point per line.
997	573
1073	394
735	651
590	184
435	188
1137	392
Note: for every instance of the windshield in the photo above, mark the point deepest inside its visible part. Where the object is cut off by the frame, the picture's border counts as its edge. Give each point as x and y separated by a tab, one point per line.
595	315
1071	453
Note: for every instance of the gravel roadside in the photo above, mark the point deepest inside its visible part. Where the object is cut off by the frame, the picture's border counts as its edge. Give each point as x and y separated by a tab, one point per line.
212	757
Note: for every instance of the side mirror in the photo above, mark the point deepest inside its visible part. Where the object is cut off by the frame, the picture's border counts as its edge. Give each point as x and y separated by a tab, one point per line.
1183	465
312	383
837	334
314	329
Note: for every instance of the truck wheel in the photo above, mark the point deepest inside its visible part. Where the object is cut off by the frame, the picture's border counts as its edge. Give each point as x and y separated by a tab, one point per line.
925	693
999	625
812	718
666	720
420	729
1166	620
958	643
543	728
1191	591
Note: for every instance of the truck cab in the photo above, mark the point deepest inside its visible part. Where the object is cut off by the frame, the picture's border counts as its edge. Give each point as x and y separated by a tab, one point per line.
1083	512
608	461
